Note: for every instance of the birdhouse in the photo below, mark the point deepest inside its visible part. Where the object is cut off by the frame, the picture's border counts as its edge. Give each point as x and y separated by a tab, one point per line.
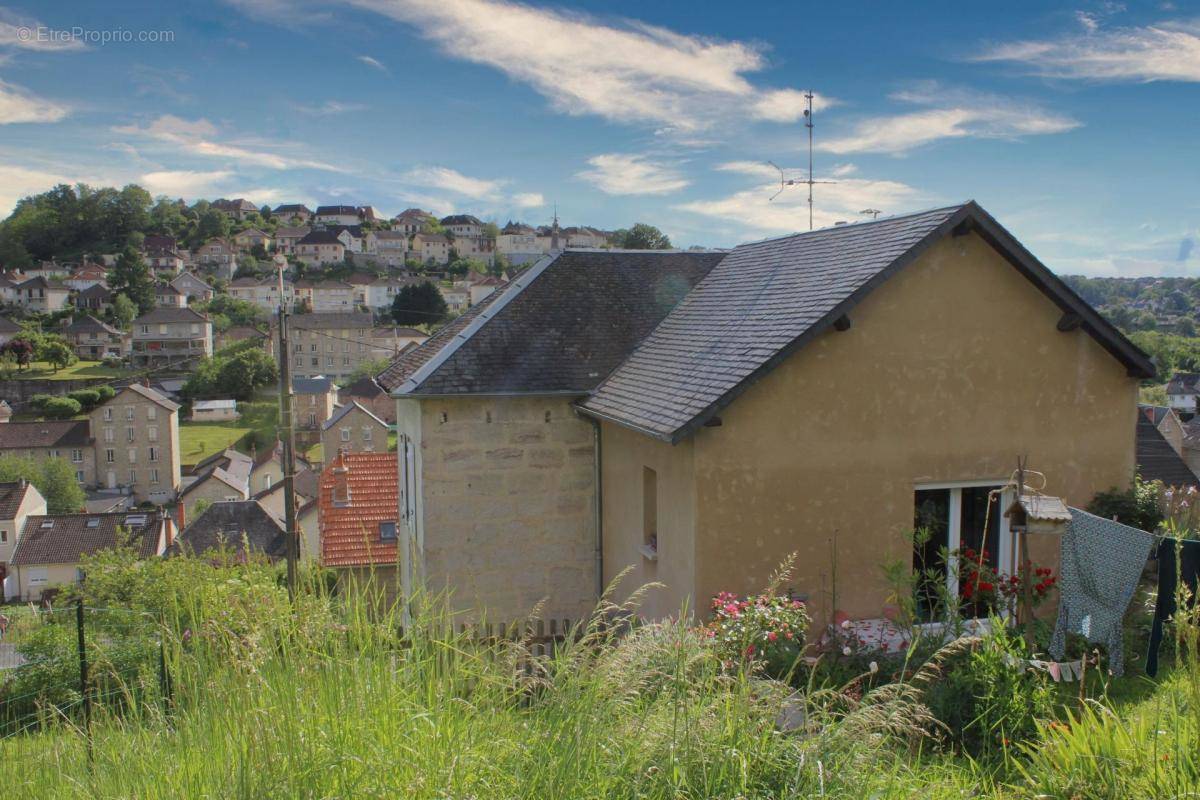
1037	513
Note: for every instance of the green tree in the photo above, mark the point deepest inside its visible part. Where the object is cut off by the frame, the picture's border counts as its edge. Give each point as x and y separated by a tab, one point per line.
53	477
58	354
234	372
419	304
123	311
131	276
642	237
212	224
368	368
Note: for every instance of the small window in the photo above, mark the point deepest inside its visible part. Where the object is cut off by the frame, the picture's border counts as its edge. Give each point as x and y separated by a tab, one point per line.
367	432
152	412
152	434
3	537
154	476
108	434
129	434
649	548
110	455
76	456
47	524
129	412
387	531
133	455
107	414
79	476
94	522
132	476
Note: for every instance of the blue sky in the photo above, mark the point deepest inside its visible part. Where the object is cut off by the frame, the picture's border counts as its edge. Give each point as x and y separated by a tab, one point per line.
1077	126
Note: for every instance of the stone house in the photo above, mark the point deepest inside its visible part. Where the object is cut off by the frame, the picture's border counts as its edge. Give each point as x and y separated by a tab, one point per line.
192	288
249	238
164	264
339	215
286	238
334	344
219	257
167	296
292	214
370	395
1183	392
314	401
686	415
137	444
94	298
69	439
412	221
353	429
222	477
52	545
237	209
43	295
171	336
94	340
431	247
18	500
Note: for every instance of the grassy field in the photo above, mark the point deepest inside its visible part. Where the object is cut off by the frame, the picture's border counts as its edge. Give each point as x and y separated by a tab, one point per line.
198	440
80	370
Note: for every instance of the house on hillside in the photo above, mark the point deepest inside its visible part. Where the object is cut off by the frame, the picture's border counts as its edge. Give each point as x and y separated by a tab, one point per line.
18	501
315	399
698	417
214	411
164	264
52	545
287	237
320	247
137	444
353	429
1183	392
97	298
334	344
237	209
1157	457
293	213
222	477
42	295
171	336
367	392
239	527
68	439
167	296
94	340
357	517
251	238
219	257
192	288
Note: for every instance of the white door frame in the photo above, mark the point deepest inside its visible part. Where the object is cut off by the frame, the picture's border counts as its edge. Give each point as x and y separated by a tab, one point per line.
1007	556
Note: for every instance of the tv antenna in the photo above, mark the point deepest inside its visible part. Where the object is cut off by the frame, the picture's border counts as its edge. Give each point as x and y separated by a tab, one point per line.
809	181
874	212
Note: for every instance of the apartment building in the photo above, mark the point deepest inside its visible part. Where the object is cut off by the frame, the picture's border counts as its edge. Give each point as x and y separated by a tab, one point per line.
137	444
167	336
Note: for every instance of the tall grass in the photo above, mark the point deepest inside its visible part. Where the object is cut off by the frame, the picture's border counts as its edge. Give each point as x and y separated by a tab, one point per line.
330	703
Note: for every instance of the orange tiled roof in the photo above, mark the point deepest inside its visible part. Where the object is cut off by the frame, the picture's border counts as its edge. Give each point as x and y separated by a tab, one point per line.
350	533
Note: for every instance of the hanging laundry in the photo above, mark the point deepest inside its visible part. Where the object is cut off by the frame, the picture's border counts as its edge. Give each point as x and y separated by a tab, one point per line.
1176	561
1101	563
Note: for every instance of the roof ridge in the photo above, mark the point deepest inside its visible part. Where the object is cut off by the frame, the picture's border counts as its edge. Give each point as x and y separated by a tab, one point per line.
859	224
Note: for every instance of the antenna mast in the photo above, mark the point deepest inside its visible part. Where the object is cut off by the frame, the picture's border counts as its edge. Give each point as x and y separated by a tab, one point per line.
808	123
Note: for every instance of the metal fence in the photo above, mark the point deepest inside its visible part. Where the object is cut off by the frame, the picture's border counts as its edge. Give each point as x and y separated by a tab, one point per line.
68	664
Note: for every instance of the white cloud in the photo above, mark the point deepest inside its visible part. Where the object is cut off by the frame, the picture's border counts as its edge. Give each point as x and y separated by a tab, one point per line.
754	211
453	181
956	115
18	105
627	71
328	108
1169	51
623	173
17	182
184	183
528	200
199	137
373	63
27	33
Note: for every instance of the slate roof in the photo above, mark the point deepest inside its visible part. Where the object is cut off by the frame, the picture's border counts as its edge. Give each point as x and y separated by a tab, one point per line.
559	328
96	290
767	299
320	237
331	320
342	411
86	323
461	219
323	210
1184	383
70	537
12	494
291	208
151	395
233	525
317	385
168	314
365	386
350	533
48	433
1157	460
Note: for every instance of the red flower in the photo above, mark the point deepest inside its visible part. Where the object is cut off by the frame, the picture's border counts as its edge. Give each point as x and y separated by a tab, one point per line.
986	587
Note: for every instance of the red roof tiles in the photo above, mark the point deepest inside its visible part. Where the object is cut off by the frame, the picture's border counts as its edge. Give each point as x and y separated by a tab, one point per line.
350	532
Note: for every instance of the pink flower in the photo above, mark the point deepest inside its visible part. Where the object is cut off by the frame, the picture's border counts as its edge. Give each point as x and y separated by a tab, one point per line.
772	636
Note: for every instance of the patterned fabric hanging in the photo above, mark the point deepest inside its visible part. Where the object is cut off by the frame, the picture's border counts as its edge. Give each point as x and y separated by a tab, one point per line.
1101	563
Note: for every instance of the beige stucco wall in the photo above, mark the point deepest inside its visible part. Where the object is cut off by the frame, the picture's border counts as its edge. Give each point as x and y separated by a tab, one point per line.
951	370
211	489
624	456
56	575
505	516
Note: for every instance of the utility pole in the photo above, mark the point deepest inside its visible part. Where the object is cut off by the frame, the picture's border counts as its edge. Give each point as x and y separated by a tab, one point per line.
288	439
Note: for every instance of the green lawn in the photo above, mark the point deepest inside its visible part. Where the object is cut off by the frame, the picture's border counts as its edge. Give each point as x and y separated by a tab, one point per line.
41	370
199	440
315	454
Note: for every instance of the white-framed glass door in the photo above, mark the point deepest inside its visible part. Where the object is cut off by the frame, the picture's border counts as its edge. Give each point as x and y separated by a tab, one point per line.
961	516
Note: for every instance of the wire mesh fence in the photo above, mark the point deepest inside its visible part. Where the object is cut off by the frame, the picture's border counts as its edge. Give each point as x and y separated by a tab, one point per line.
63	665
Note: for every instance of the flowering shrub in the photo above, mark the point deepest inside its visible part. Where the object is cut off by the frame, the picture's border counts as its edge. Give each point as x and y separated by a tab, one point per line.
982	586
1181	512
765	630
